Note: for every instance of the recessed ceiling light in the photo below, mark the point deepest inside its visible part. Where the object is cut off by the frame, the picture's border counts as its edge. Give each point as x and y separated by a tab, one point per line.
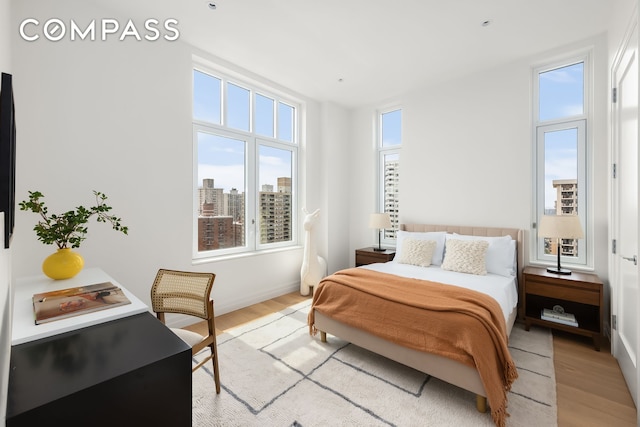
211	5
486	23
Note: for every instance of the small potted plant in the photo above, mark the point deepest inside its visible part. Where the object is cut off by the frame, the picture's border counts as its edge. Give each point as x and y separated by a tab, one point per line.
67	231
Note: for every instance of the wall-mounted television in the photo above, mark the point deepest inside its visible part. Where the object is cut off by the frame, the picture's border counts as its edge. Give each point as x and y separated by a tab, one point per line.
7	156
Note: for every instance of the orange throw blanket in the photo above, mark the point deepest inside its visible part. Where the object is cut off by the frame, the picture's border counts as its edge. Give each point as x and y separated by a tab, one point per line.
450	321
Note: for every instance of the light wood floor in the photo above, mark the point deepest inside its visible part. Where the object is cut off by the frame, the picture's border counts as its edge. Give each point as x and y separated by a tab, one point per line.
590	387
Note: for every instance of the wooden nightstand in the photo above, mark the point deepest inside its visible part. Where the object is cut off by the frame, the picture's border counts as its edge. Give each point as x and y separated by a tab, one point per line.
369	256
578	293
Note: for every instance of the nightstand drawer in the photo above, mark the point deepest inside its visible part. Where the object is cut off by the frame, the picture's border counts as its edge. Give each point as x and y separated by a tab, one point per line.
368	259
370	256
579	295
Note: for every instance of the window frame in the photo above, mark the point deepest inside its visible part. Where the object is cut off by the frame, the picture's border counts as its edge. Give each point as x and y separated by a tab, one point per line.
584	166
381	152
253	141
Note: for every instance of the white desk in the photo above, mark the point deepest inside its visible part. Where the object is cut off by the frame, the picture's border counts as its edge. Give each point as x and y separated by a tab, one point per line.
24	327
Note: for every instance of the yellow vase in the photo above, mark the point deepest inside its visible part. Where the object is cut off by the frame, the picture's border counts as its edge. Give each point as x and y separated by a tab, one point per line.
63	264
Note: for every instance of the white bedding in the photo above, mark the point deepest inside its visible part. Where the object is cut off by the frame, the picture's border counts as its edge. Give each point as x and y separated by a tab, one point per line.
503	289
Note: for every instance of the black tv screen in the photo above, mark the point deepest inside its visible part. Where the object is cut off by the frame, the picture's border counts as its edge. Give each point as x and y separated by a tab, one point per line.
7	156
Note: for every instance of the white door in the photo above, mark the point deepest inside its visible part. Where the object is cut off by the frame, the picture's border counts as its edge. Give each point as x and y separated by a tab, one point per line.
624	268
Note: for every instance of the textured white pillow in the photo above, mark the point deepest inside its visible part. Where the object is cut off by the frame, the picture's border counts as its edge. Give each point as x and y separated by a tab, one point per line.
466	256
417	252
438	236
501	254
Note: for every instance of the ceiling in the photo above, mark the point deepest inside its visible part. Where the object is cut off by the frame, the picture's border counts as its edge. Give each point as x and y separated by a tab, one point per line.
359	52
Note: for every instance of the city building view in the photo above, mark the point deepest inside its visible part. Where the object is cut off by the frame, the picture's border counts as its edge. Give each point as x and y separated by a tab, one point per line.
221	216
566	203
391	195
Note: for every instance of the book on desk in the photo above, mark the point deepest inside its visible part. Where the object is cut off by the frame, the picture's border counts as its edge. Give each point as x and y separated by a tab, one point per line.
65	303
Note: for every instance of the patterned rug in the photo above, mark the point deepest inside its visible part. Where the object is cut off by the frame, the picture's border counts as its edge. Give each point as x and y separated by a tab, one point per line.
273	373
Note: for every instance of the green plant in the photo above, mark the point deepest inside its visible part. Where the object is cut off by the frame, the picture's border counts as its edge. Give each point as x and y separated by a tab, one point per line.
68	229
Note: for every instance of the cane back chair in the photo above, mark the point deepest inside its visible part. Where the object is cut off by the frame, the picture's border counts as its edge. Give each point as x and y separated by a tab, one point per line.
188	293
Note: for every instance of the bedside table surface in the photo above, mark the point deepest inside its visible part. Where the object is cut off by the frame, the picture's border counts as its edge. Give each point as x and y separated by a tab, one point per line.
371	249
575	276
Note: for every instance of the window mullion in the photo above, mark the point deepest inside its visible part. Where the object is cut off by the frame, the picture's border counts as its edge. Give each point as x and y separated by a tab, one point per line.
223	109
252	210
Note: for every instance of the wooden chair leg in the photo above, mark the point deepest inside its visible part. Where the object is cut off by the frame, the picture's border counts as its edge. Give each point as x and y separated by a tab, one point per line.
214	353
216	373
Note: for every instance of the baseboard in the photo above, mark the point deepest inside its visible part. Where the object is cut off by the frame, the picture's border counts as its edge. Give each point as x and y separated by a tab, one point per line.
236	304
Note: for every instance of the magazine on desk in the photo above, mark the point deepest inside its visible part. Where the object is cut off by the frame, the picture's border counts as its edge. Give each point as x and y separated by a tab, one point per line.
56	305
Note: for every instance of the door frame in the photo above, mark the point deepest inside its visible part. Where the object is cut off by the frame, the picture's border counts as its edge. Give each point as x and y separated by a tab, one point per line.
623	360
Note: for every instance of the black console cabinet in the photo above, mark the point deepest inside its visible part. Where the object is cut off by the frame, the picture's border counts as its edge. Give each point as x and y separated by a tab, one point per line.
127	372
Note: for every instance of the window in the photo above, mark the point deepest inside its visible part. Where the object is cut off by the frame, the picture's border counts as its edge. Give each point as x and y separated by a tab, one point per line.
265	113
389	144
561	185
245	157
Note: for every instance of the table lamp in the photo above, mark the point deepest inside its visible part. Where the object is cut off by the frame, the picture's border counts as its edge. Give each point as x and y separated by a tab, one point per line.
560	227
379	221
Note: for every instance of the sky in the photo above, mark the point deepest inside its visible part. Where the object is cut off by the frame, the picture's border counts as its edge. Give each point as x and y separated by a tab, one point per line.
222	159
392	128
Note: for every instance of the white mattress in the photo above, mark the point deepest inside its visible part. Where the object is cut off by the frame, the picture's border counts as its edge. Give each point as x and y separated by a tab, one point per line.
503	289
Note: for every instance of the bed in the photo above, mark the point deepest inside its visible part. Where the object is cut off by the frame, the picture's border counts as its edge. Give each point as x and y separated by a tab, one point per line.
335	318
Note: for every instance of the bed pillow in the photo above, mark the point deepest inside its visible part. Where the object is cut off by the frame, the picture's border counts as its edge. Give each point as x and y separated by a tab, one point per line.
466	256
501	254
417	252
438	236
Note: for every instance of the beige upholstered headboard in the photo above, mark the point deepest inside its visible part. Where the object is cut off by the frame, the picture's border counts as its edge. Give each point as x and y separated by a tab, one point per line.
515	233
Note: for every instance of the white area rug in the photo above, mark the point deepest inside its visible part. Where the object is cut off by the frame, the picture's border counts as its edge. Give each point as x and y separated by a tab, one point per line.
273	373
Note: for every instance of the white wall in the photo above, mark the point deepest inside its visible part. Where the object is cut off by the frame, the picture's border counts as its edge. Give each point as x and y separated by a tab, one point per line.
618	24
337	174
467	153
5	36
5	254
363	179
116	117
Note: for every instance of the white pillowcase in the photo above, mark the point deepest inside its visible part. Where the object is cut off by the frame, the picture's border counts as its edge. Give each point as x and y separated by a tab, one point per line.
501	253
466	256
417	252
438	236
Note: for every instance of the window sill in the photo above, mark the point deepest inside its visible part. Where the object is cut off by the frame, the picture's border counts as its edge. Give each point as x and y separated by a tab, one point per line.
212	259
572	267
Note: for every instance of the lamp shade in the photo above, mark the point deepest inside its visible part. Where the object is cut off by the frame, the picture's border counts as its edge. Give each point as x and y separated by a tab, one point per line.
560	226
379	220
